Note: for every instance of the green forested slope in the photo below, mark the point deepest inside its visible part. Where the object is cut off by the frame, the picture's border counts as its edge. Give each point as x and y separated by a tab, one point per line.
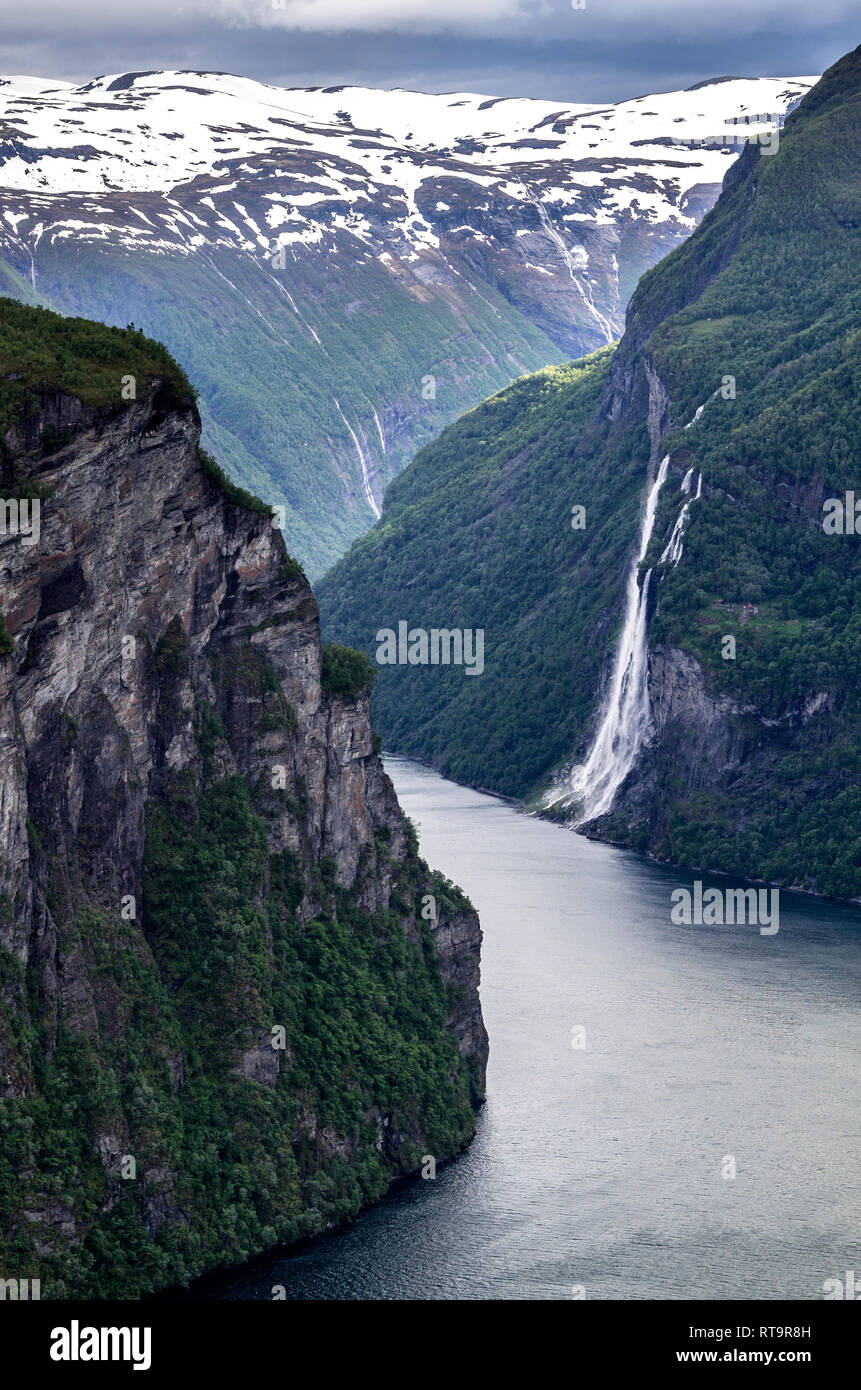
40	349
268	385
477	533
765	292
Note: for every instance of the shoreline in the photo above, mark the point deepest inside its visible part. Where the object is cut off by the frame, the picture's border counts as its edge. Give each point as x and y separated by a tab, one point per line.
523	808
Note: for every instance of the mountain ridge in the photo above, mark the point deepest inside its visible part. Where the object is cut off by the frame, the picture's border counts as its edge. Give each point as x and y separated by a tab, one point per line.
404	257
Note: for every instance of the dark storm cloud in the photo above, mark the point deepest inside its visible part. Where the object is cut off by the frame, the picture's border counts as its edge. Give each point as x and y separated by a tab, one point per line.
608	51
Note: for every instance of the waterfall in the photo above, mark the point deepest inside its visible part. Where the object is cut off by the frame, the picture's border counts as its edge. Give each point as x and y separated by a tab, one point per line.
627	711
366	481
379	430
579	281
591	787
672	552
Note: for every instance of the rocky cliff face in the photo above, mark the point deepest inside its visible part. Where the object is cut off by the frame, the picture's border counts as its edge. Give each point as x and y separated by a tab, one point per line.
211	906
753	647
706	746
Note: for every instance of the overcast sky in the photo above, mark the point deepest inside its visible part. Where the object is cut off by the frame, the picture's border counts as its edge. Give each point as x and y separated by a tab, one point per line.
607	50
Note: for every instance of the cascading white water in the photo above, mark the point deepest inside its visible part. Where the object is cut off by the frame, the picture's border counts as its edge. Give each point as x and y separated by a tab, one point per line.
672	552
380	431
577	278
593	785
366	481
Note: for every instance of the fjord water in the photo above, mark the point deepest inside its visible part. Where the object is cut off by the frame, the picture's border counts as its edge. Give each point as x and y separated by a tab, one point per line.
602	1167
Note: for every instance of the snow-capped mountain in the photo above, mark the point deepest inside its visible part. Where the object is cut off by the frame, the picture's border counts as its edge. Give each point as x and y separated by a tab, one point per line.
342	271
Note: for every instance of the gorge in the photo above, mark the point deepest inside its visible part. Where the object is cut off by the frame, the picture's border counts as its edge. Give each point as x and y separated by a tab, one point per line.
735	634
239	992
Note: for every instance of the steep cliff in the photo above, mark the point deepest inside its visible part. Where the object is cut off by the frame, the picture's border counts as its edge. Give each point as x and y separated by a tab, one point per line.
741	362
233	1001
755	638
